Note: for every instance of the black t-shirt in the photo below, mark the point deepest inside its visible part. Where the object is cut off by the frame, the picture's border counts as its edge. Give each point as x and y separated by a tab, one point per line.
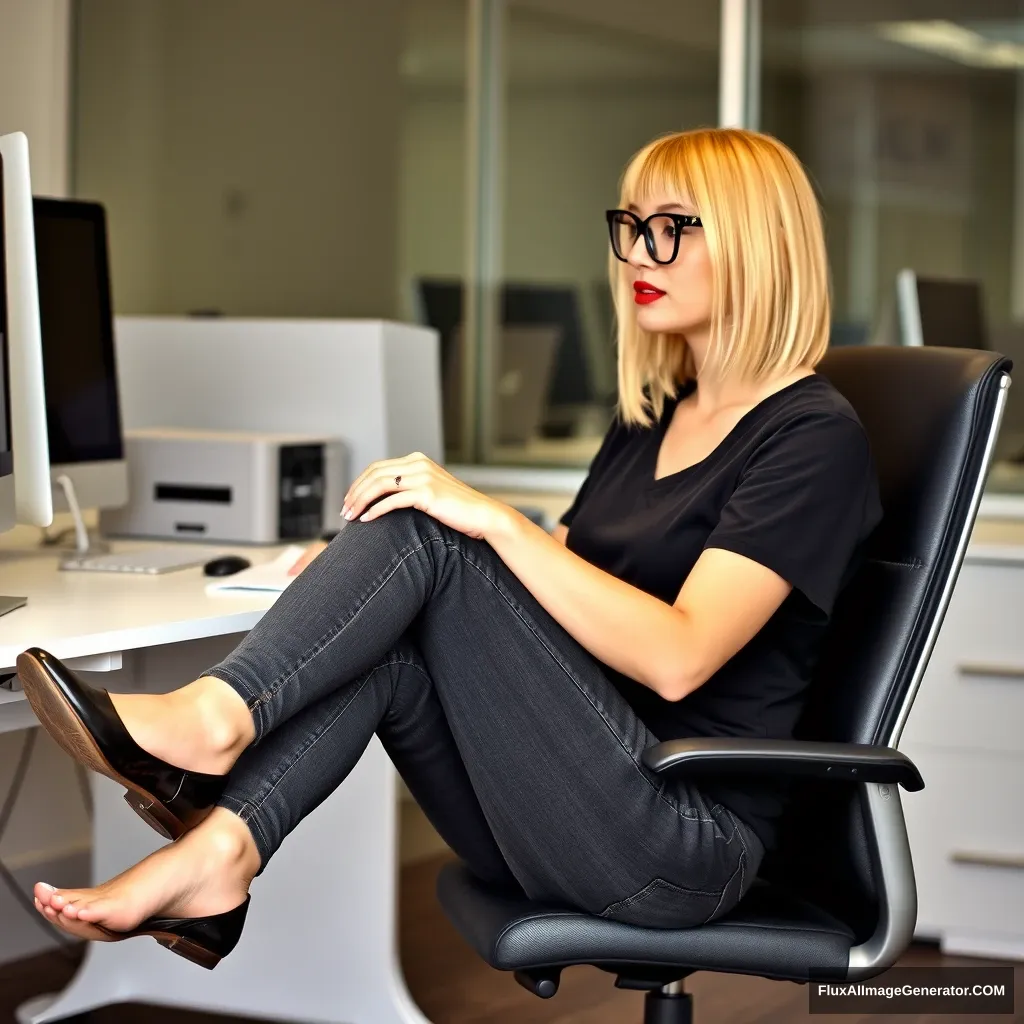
793	487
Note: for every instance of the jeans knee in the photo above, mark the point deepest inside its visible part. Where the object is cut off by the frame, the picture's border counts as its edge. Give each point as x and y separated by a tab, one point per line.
407	524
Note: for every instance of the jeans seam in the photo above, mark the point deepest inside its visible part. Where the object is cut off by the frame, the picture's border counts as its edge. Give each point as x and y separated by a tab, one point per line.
521	613
640	894
725	888
236	683
743	857
252	820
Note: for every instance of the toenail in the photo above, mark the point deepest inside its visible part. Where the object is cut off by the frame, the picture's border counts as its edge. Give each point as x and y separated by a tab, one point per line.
46	885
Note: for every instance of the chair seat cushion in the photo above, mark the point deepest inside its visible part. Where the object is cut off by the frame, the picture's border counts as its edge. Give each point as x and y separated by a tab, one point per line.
770	933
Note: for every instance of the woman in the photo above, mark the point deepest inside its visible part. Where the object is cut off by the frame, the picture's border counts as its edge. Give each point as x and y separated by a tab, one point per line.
515	677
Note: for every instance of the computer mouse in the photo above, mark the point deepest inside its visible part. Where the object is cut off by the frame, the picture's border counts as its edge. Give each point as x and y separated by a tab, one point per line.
226	565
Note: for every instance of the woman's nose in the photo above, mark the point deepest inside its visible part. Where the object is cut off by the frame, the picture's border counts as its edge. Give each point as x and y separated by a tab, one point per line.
638	256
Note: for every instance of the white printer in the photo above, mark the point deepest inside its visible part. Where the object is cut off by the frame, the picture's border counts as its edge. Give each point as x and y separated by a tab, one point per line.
229	486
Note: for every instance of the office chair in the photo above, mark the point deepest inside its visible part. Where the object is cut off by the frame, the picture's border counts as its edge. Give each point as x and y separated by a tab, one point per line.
836	899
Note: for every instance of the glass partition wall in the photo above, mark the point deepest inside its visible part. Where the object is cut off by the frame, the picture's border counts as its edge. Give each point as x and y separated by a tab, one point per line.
449	162
909	118
581	86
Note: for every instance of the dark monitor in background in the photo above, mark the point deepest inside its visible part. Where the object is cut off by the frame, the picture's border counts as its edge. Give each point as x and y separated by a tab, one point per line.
82	408
950	313
844	333
943	312
524	305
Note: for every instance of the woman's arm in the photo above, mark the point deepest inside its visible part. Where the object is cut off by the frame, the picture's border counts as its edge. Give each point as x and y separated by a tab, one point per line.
672	649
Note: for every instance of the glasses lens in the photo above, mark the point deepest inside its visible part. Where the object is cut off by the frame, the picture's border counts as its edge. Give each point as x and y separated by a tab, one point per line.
662	231
624	234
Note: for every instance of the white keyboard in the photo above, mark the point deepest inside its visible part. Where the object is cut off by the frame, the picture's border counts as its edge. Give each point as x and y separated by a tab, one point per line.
150	562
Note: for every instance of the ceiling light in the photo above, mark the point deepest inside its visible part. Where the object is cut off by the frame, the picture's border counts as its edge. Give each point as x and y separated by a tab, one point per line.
947	39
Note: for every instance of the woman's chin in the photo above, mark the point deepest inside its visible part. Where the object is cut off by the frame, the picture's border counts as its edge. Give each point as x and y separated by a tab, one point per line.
656	321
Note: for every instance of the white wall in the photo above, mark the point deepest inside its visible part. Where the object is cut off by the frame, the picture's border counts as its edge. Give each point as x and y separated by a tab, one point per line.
34	46
247	156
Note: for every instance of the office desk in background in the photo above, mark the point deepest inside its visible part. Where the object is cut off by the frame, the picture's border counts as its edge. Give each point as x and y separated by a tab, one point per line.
965	735
332	958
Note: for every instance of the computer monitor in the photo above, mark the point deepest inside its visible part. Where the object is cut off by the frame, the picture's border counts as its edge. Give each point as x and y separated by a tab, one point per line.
950	313
83	413
943	312
8	513
24	358
523	305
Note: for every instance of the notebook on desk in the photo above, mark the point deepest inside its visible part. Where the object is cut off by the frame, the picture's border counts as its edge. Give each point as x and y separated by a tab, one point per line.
270	577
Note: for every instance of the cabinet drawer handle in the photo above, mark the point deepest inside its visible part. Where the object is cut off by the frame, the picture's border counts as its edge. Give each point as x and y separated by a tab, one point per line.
990	860
977	668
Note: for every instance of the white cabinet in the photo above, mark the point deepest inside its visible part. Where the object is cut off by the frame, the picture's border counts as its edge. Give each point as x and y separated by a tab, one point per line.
966	735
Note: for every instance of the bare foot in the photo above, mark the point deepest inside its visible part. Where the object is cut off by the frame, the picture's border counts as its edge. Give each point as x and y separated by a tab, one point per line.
207	871
203	727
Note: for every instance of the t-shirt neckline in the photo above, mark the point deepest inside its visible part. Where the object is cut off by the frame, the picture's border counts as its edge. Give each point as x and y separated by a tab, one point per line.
687	389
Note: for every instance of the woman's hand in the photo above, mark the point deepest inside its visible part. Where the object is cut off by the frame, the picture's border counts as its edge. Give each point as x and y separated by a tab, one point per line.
417	482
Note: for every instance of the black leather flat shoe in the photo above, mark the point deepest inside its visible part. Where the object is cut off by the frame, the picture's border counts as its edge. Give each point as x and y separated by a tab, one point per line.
86	725
203	940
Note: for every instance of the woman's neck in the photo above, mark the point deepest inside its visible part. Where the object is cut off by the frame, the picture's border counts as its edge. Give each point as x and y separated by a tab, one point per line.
714	393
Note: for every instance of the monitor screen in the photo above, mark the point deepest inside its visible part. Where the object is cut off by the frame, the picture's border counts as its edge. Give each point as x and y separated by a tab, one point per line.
522	305
952	313
6	454
82	410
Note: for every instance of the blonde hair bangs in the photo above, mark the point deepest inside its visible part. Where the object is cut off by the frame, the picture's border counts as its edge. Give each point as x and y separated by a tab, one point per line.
771	304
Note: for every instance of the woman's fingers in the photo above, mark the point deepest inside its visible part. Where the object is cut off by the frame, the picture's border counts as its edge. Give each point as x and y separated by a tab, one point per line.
382	484
387	470
400	499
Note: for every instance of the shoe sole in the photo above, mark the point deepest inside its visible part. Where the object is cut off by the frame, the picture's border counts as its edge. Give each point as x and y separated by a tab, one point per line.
184	947
59	719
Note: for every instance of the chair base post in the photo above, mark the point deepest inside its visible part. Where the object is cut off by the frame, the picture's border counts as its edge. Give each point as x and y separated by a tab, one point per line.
669	1005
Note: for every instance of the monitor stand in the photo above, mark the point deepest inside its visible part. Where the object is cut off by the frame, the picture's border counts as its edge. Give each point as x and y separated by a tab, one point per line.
84	544
10	604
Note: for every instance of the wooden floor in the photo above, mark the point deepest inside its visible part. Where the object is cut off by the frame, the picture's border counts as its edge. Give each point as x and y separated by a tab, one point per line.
453	986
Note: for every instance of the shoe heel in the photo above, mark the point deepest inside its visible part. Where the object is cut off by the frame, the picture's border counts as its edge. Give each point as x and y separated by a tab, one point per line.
155	815
192	952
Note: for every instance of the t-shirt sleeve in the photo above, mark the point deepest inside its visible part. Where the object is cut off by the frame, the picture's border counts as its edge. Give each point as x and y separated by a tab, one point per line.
593	472
804	501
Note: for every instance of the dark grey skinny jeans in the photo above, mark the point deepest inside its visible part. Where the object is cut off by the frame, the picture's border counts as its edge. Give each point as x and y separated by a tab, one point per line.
513	741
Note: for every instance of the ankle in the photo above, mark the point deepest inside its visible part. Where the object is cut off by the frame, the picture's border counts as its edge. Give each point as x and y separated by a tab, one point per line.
222	718
228	846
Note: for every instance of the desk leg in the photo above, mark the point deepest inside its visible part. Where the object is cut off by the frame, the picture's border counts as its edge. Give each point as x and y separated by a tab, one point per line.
332	960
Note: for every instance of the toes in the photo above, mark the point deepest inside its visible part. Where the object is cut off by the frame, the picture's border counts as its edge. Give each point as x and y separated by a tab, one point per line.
43	892
96	910
80	930
61	897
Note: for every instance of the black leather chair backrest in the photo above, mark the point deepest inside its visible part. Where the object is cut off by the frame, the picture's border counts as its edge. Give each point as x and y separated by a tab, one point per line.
928	413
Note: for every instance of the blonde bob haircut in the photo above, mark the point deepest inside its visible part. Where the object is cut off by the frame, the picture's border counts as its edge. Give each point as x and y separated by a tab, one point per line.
770	306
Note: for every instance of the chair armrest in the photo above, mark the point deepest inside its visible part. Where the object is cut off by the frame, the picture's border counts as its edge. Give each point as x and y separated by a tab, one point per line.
846	762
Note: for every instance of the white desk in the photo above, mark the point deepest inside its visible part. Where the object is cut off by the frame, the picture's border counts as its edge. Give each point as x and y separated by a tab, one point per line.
329	959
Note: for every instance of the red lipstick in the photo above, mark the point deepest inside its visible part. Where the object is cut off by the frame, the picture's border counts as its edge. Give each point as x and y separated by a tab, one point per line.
644	293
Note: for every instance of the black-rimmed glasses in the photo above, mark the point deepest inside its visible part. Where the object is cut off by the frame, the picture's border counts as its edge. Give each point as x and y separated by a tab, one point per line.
661	233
